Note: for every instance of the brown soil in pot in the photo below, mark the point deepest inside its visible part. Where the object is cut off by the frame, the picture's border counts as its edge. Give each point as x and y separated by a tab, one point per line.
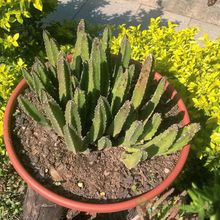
98	176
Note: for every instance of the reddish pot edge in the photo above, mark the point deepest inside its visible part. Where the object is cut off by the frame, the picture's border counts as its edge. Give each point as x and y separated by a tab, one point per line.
86	206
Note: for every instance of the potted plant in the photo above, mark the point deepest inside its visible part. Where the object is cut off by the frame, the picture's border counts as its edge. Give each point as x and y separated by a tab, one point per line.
92	131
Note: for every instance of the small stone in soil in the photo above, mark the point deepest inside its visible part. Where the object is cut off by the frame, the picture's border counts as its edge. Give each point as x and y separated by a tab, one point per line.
57	183
106	173
80	184
102	194
166	170
55	175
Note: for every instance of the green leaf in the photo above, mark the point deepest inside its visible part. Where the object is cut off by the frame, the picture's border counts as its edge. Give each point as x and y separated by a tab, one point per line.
38	4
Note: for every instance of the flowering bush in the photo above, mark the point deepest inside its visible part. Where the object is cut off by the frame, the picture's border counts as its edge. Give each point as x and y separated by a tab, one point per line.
12	12
194	69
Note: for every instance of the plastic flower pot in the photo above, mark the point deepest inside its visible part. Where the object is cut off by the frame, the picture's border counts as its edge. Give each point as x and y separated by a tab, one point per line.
88	206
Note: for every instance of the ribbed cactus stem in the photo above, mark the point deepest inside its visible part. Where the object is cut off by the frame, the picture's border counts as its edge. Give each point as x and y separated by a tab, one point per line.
54	114
160	143
45	76
106	39
95	68
29	78
40	69
105	74
104	142
83	100
99	122
79	98
131	73
84	79
72	139
82	45
149	108
38	85
125	51
72	116
74	81
51	48
119	91
117	124
133	133
141	85
151	127
131	159
32	111
185	136
64	79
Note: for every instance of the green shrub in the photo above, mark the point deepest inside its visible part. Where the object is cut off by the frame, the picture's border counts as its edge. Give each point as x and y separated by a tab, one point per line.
205	201
192	68
20	38
13	12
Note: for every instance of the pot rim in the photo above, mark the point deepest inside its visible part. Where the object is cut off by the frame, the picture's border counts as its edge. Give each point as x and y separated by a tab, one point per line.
88	206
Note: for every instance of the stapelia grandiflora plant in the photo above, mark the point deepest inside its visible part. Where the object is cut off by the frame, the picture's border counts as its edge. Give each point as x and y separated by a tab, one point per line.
95	101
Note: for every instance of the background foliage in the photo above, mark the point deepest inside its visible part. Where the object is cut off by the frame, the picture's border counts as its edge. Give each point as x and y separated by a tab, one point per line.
20	41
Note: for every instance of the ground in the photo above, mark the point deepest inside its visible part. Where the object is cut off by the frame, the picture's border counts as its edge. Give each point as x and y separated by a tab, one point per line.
186	13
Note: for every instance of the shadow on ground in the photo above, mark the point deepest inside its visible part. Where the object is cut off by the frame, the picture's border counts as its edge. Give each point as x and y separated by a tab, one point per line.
106	12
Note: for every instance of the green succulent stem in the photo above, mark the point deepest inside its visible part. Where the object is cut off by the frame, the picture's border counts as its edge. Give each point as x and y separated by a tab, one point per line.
95	100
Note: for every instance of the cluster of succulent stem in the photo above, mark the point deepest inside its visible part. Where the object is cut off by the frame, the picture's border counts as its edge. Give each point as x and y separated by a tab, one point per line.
97	101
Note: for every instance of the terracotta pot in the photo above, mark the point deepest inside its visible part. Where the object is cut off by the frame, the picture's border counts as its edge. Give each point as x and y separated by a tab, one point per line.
86	206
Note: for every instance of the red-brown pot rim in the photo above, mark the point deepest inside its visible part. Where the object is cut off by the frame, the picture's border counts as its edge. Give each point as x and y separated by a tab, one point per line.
86	206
